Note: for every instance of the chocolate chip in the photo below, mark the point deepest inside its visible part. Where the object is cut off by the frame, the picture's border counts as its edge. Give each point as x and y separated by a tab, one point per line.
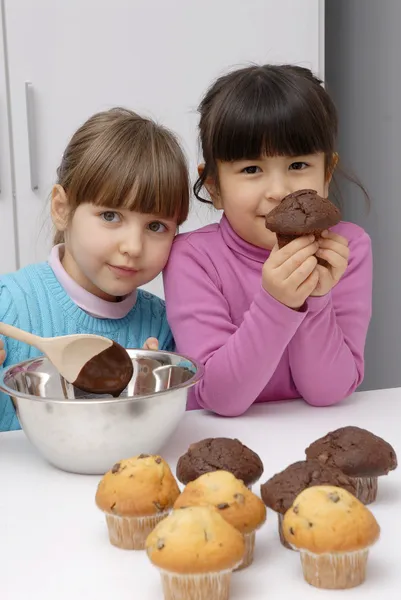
334	497
240	498
158	460
292	531
112	506
295	510
116	468
158	506
206	536
132	475
223	505
160	544
310	524
143	456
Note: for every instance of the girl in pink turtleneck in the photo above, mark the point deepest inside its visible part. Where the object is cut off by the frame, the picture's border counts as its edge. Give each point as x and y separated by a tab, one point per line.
268	324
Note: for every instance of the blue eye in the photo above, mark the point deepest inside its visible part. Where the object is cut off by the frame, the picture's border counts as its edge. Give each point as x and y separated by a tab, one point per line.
298	166
110	216
251	170
157	227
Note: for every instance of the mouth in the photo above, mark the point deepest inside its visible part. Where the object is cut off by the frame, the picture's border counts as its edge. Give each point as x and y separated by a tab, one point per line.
123	271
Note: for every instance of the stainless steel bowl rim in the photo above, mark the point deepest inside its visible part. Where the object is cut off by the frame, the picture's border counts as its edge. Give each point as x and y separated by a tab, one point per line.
119	400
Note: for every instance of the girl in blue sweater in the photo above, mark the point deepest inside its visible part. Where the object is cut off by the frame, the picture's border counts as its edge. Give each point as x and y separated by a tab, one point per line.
121	193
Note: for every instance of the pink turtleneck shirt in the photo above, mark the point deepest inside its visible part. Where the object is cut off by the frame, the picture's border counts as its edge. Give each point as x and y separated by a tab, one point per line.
254	348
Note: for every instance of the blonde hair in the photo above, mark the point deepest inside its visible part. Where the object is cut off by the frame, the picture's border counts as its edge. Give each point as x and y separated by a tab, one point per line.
119	159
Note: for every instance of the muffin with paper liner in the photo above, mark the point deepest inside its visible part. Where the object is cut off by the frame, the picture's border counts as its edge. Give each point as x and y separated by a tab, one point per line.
359	454
280	491
234	501
195	550
135	495
333	532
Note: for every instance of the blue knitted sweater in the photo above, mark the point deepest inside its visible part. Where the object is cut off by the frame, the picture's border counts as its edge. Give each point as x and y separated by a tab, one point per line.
34	300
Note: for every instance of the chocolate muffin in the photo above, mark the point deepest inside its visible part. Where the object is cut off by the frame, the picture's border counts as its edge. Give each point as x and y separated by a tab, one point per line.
301	213
219	454
279	492
359	454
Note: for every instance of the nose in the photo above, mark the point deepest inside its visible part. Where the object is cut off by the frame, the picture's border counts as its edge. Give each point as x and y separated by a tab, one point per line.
276	189
131	243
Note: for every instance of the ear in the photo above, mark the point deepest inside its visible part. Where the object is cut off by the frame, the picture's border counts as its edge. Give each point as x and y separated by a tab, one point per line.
332	167
60	209
211	188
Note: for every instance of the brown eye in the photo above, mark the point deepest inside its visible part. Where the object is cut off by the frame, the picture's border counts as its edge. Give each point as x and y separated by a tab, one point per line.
110	216
298	166
157	227
251	170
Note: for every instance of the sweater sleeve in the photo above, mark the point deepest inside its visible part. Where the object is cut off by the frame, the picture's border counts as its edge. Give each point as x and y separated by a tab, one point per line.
239	361
327	352
8	314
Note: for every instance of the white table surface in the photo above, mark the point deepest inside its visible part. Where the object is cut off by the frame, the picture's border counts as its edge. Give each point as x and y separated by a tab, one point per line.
53	539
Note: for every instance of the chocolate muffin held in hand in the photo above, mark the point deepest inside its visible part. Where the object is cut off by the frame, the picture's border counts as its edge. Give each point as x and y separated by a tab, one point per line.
279	492
302	213
359	454
219	454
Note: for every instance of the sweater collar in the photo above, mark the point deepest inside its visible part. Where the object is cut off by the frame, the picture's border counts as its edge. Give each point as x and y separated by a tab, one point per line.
240	246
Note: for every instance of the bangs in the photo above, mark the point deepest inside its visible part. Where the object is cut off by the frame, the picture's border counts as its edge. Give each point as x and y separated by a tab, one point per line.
140	168
272	116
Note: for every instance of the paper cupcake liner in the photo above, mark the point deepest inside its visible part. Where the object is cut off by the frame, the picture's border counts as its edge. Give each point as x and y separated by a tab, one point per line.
281	533
249	539
130	533
204	586
337	571
366	489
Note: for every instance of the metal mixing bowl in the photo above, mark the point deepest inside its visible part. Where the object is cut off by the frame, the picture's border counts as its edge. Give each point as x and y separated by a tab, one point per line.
87	434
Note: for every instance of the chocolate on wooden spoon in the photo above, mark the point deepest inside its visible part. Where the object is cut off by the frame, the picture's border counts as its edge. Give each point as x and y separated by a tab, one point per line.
92	363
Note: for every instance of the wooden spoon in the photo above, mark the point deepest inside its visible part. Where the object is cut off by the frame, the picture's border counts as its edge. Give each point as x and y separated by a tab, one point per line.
92	363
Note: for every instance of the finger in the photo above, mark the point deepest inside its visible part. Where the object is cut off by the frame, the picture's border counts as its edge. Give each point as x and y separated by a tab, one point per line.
335	246
281	255
151	344
329	235
335	260
2	356
297	260
300	274
310	284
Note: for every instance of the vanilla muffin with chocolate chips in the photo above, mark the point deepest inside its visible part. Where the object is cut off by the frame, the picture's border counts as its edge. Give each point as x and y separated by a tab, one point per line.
195	550
360	454
135	495
280	491
233	500
333	531
220	454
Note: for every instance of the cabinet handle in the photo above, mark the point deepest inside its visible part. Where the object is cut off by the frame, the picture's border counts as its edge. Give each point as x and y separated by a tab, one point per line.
31	136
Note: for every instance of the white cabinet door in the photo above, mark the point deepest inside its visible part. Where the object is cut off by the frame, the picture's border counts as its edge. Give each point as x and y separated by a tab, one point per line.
8	260
154	56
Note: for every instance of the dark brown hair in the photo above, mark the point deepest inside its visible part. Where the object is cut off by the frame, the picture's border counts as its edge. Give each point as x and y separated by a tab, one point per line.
119	159
273	110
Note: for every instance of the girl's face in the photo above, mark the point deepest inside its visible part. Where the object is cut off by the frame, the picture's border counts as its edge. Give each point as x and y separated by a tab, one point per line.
111	252
250	189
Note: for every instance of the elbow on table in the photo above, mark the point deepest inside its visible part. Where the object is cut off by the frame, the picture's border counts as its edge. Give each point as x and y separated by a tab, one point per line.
218	407
330	395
